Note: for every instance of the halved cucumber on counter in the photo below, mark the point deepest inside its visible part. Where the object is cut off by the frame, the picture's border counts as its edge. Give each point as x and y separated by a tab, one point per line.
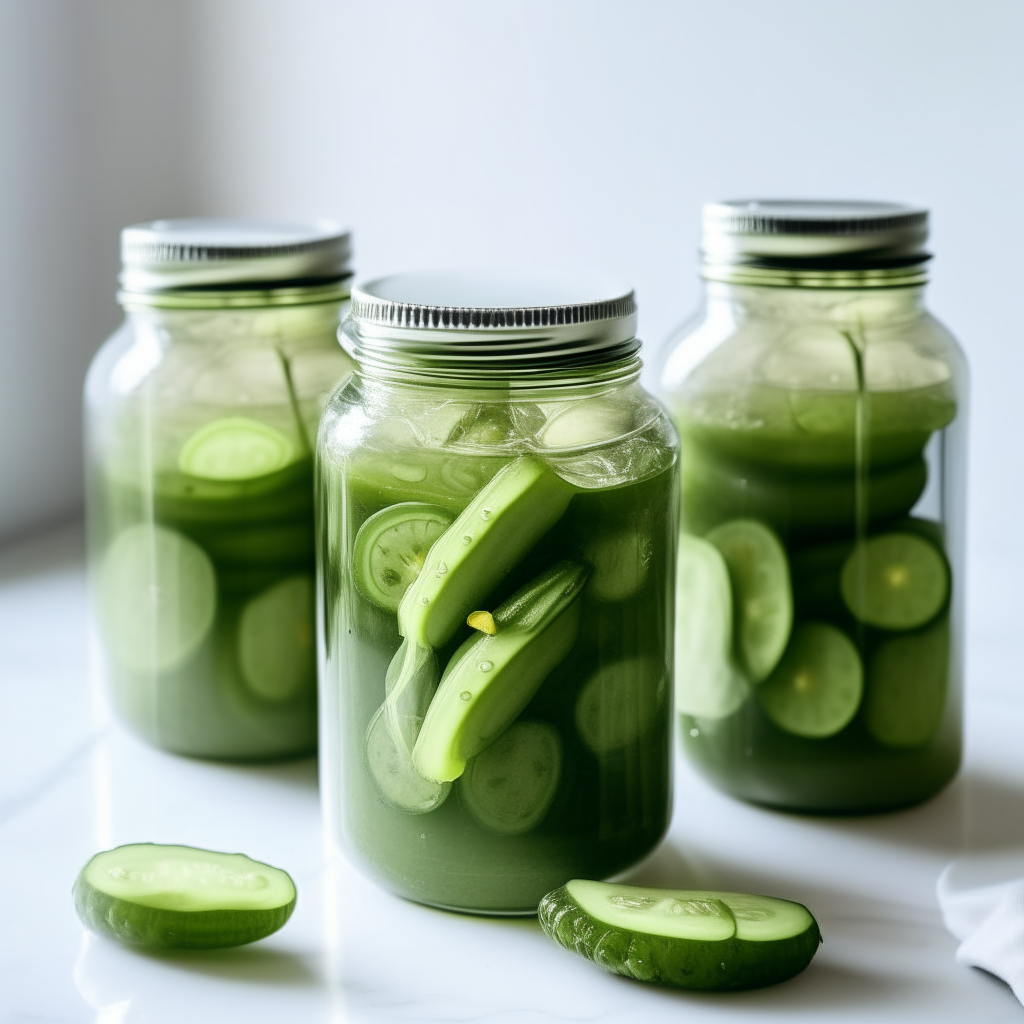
156	597
236	448
694	939
816	689
761	592
180	897
509	786
276	649
897	581
391	547
619	703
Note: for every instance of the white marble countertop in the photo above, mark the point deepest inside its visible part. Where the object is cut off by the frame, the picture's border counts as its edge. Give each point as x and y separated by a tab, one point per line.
72	783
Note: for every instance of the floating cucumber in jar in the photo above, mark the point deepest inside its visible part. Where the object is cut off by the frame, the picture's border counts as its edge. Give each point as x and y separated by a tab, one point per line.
692	939
236	448
619	704
761	592
180	897
493	676
398	782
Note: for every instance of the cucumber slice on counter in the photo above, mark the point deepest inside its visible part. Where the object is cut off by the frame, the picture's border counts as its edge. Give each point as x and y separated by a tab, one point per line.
179	897
908	677
156	597
691	939
619	703
761	592
491	678
275	640
236	448
509	786
391	766
391	547
816	689
896	581
708	683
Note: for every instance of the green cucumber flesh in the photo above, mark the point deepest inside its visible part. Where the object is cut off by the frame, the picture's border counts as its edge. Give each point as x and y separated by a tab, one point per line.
390	764
708	682
896	581
695	939
620	564
391	547
816	688
156	598
594	421
491	678
276	648
236	448
908	679
762	595
619	704
180	897
509	787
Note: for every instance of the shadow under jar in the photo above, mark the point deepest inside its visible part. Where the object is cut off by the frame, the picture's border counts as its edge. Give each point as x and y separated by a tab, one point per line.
201	420
822	412
498	505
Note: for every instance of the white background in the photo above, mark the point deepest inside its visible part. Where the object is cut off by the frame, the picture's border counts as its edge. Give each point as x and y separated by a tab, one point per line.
553	133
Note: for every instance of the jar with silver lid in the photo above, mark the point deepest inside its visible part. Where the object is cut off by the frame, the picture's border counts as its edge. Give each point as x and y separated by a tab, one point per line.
497	501
201	419
822	411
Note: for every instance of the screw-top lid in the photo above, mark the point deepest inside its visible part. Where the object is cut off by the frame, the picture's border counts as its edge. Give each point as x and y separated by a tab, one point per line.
450	323
225	252
840	234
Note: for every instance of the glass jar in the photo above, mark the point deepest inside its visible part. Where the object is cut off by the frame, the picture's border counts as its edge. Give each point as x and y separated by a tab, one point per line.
497	500
822	412
201	419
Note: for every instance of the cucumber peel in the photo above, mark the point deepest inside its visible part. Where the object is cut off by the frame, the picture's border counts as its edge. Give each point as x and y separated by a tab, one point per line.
180	897
693	939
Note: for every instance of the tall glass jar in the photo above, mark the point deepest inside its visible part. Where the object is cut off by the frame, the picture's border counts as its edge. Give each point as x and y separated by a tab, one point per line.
823	415
201	419
497	502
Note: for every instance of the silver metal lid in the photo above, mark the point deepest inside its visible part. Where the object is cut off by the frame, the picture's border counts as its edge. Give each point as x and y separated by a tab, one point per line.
205	252
452	323
841	233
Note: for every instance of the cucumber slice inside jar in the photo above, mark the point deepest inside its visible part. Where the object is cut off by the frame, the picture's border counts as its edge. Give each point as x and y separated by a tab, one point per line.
896	581
509	786
816	689
762	596
236	448
692	939
908	677
390	764
156	597
391	547
275	640
619	703
180	897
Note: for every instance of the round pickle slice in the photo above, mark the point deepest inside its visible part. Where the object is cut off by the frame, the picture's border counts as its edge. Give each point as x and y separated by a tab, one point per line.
391	547
896	581
157	596
694	939
275	640
509	787
179	897
906	693
619	703
235	448
392	769
762	596
816	689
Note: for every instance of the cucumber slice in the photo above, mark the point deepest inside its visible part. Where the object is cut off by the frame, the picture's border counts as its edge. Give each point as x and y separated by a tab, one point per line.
762	596
619	703
390	764
595	421
691	939
491	678
156	596
509	786
179	897
908	678
236	448
502	522
895	581
621	562
708	683
275	640
391	547
816	689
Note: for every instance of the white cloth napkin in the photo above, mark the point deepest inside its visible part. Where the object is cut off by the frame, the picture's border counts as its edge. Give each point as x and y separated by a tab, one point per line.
987	915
